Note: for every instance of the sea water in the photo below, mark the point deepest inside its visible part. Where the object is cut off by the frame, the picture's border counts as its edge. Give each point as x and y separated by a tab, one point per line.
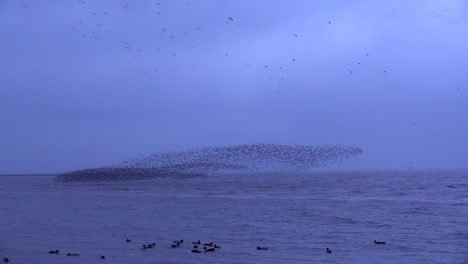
421	215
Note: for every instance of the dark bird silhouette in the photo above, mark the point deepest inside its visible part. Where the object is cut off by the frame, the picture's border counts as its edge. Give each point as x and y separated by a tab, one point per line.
6	260
293	59
128	240
379	242
230	18
103	257
329	22
73	254
262	248
54	251
296	35
328	251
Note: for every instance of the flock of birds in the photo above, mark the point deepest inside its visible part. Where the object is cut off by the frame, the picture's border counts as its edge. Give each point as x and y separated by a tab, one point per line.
196	247
96	27
202	161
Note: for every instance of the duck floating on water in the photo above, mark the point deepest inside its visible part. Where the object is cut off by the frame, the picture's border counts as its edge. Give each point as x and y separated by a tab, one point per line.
262	248
328	251
379	242
54	251
73	254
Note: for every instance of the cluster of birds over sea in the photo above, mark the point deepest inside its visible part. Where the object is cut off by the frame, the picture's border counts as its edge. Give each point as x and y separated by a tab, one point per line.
169	40
195	247
202	161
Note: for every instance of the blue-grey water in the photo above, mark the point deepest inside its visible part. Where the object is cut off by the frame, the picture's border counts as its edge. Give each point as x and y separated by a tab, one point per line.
421	215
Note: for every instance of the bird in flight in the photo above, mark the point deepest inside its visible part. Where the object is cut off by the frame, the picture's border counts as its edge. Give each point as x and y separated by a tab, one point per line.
296	35
329	22
230	18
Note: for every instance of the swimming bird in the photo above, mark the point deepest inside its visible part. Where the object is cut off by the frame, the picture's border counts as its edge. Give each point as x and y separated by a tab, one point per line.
198	242
151	245
195	246
262	248
54	251
328	251
209	249
176	245
73	254
196	251
103	257
208	244
178	241
216	246
379	242
128	240
6	260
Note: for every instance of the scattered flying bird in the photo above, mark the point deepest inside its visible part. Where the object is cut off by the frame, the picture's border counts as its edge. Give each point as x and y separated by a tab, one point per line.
384	71
295	35
230	18
329	22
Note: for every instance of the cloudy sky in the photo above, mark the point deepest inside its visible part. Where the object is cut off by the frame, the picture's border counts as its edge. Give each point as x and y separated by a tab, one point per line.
88	83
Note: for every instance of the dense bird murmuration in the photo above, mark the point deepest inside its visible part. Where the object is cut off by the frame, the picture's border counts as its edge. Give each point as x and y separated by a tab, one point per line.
202	161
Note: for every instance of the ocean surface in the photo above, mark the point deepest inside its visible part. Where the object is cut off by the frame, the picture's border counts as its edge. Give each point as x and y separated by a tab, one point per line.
421	215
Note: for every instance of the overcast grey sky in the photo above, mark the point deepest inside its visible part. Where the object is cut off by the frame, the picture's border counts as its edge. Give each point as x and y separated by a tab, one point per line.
88	83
